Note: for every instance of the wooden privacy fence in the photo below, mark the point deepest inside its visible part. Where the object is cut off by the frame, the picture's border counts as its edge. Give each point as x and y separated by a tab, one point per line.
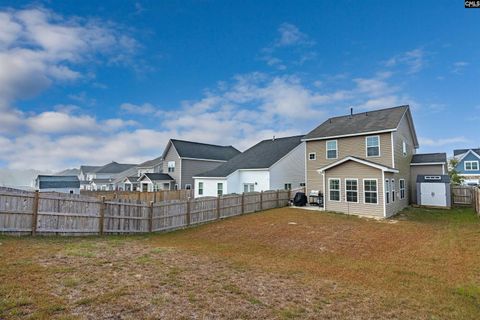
462	195
140	197
476	200
39	213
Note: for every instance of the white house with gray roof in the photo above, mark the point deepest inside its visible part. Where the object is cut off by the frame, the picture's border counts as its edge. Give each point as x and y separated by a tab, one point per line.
183	160
272	164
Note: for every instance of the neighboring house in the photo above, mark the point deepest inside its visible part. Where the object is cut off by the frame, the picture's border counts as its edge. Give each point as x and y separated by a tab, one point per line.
150	182
150	166
62	184
87	173
102	185
131	183
104	177
183	160
426	164
468	165
273	164
361	162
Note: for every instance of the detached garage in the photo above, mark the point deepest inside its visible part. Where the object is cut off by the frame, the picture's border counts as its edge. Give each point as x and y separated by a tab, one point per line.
433	190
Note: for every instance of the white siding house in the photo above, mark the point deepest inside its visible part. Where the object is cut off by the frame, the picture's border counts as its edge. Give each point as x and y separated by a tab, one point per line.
269	165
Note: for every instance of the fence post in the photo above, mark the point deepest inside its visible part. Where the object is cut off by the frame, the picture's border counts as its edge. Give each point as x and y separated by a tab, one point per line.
278	200
261	200
243	202
218	207
35	212
150	217
101	222
188	212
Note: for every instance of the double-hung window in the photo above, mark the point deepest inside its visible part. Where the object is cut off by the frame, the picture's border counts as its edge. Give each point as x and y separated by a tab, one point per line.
171	166
387	191
351	190
334	189
471	165
200	188
370	192
332	149
393	190
402	188
373	146
219	188
248	187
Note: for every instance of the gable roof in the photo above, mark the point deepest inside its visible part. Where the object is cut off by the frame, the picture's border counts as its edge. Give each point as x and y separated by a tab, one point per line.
156	177
375	121
151	163
132	179
261	156
89	169
47	181
462	151
359	160
114	167
197	150
429	158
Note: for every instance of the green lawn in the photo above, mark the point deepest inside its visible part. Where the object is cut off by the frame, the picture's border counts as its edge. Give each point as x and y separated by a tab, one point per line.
278	264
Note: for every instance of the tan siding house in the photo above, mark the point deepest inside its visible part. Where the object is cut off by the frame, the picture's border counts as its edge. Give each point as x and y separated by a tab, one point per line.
361	162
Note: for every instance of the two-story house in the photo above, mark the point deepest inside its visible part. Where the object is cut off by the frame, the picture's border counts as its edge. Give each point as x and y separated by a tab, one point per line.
182	160
272	164
468	165
361	162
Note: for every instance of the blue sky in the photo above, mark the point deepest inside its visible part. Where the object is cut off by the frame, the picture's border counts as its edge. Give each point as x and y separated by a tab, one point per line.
89	82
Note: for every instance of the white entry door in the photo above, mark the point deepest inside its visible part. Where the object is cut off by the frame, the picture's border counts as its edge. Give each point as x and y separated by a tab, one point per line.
433	194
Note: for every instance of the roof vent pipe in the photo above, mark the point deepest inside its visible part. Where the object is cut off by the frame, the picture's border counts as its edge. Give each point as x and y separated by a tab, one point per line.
273	139
351	111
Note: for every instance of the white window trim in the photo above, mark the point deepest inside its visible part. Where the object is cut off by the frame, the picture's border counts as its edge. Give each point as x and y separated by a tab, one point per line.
218	189
200	189
376	192
387	191
246	184
358	193
188	185
339	189
471	162
379	148
314	156
393	189
404	149
400	187
326	149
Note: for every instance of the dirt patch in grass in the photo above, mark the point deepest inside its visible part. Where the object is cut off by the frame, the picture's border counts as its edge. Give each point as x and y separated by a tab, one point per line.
250	267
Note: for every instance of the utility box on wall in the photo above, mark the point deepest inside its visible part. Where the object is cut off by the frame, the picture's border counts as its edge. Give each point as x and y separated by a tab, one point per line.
433	190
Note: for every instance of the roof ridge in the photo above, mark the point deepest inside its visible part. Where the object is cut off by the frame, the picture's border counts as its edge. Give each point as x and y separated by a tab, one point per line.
206	144
369	111
281	138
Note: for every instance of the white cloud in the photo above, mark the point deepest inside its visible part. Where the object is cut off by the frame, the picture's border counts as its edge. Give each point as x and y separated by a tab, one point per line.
38	47
440	142
290	41
143	109
414	60
459	66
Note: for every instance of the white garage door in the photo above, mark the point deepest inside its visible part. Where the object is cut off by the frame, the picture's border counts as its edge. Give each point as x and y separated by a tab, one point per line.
433	194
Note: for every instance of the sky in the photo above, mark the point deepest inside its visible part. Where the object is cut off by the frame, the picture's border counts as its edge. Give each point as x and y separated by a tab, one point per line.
89	82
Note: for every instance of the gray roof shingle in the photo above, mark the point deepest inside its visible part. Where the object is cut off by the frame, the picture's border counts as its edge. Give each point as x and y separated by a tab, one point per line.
114	167
462	151
48	182
429	158
262	155
196	150
89	169
151	163
371	121
159	176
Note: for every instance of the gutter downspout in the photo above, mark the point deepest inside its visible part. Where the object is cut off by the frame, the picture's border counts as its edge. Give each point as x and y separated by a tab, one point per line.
383	192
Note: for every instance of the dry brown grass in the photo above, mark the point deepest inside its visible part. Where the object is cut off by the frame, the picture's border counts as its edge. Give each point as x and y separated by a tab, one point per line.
424	265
